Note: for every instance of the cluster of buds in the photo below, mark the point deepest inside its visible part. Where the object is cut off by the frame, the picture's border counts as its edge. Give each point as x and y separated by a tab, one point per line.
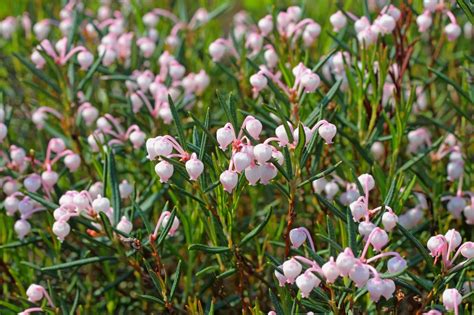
445	245
60	54
346	264
170	82
26	208
255	160
75	203
367	33
289	25
424	20
168	147
109	125
305	80
360	211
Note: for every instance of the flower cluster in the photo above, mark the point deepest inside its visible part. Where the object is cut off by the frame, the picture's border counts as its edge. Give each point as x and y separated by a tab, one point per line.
358	269
168	147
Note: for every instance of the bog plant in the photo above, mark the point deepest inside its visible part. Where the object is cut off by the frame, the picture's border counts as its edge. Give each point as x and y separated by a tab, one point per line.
308	158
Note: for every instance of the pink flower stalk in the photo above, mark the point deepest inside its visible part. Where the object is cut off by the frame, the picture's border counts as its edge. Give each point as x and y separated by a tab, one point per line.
60	54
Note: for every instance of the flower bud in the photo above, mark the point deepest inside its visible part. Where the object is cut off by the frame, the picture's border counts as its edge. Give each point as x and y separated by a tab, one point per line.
451	299
366	180
306	283
338	21
72	162
361	24
281	134
254	128
258	81
469	214
453	238
125	225
291	269
101	204
35	293
89	114
377	149
436	244
386	23
468	250
57	145
41	29
455	170
32	183
85	59
253	174
81	200
125	189
388	288
137	138
177	70
430	4
61	229
358	210
241	161
452	31
150	19
389	221
345	262
217	50
268	171
359	274
297	237
49	178
229	180
349	197
271	57
327	132
378	239
280	277
456	205
225	136
174	226
158	146
262	152
38	59
194	167
11	205
375	286
396	264
164	170
22	228
424	22
319	184
310	82
266	25
331	189
330	271
365	228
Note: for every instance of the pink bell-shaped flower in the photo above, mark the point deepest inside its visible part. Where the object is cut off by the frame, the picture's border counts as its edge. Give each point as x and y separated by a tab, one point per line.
194	167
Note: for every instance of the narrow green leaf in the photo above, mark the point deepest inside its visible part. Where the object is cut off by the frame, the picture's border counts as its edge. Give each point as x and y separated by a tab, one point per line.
258	229
326	172
78	263
177	274
209	249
